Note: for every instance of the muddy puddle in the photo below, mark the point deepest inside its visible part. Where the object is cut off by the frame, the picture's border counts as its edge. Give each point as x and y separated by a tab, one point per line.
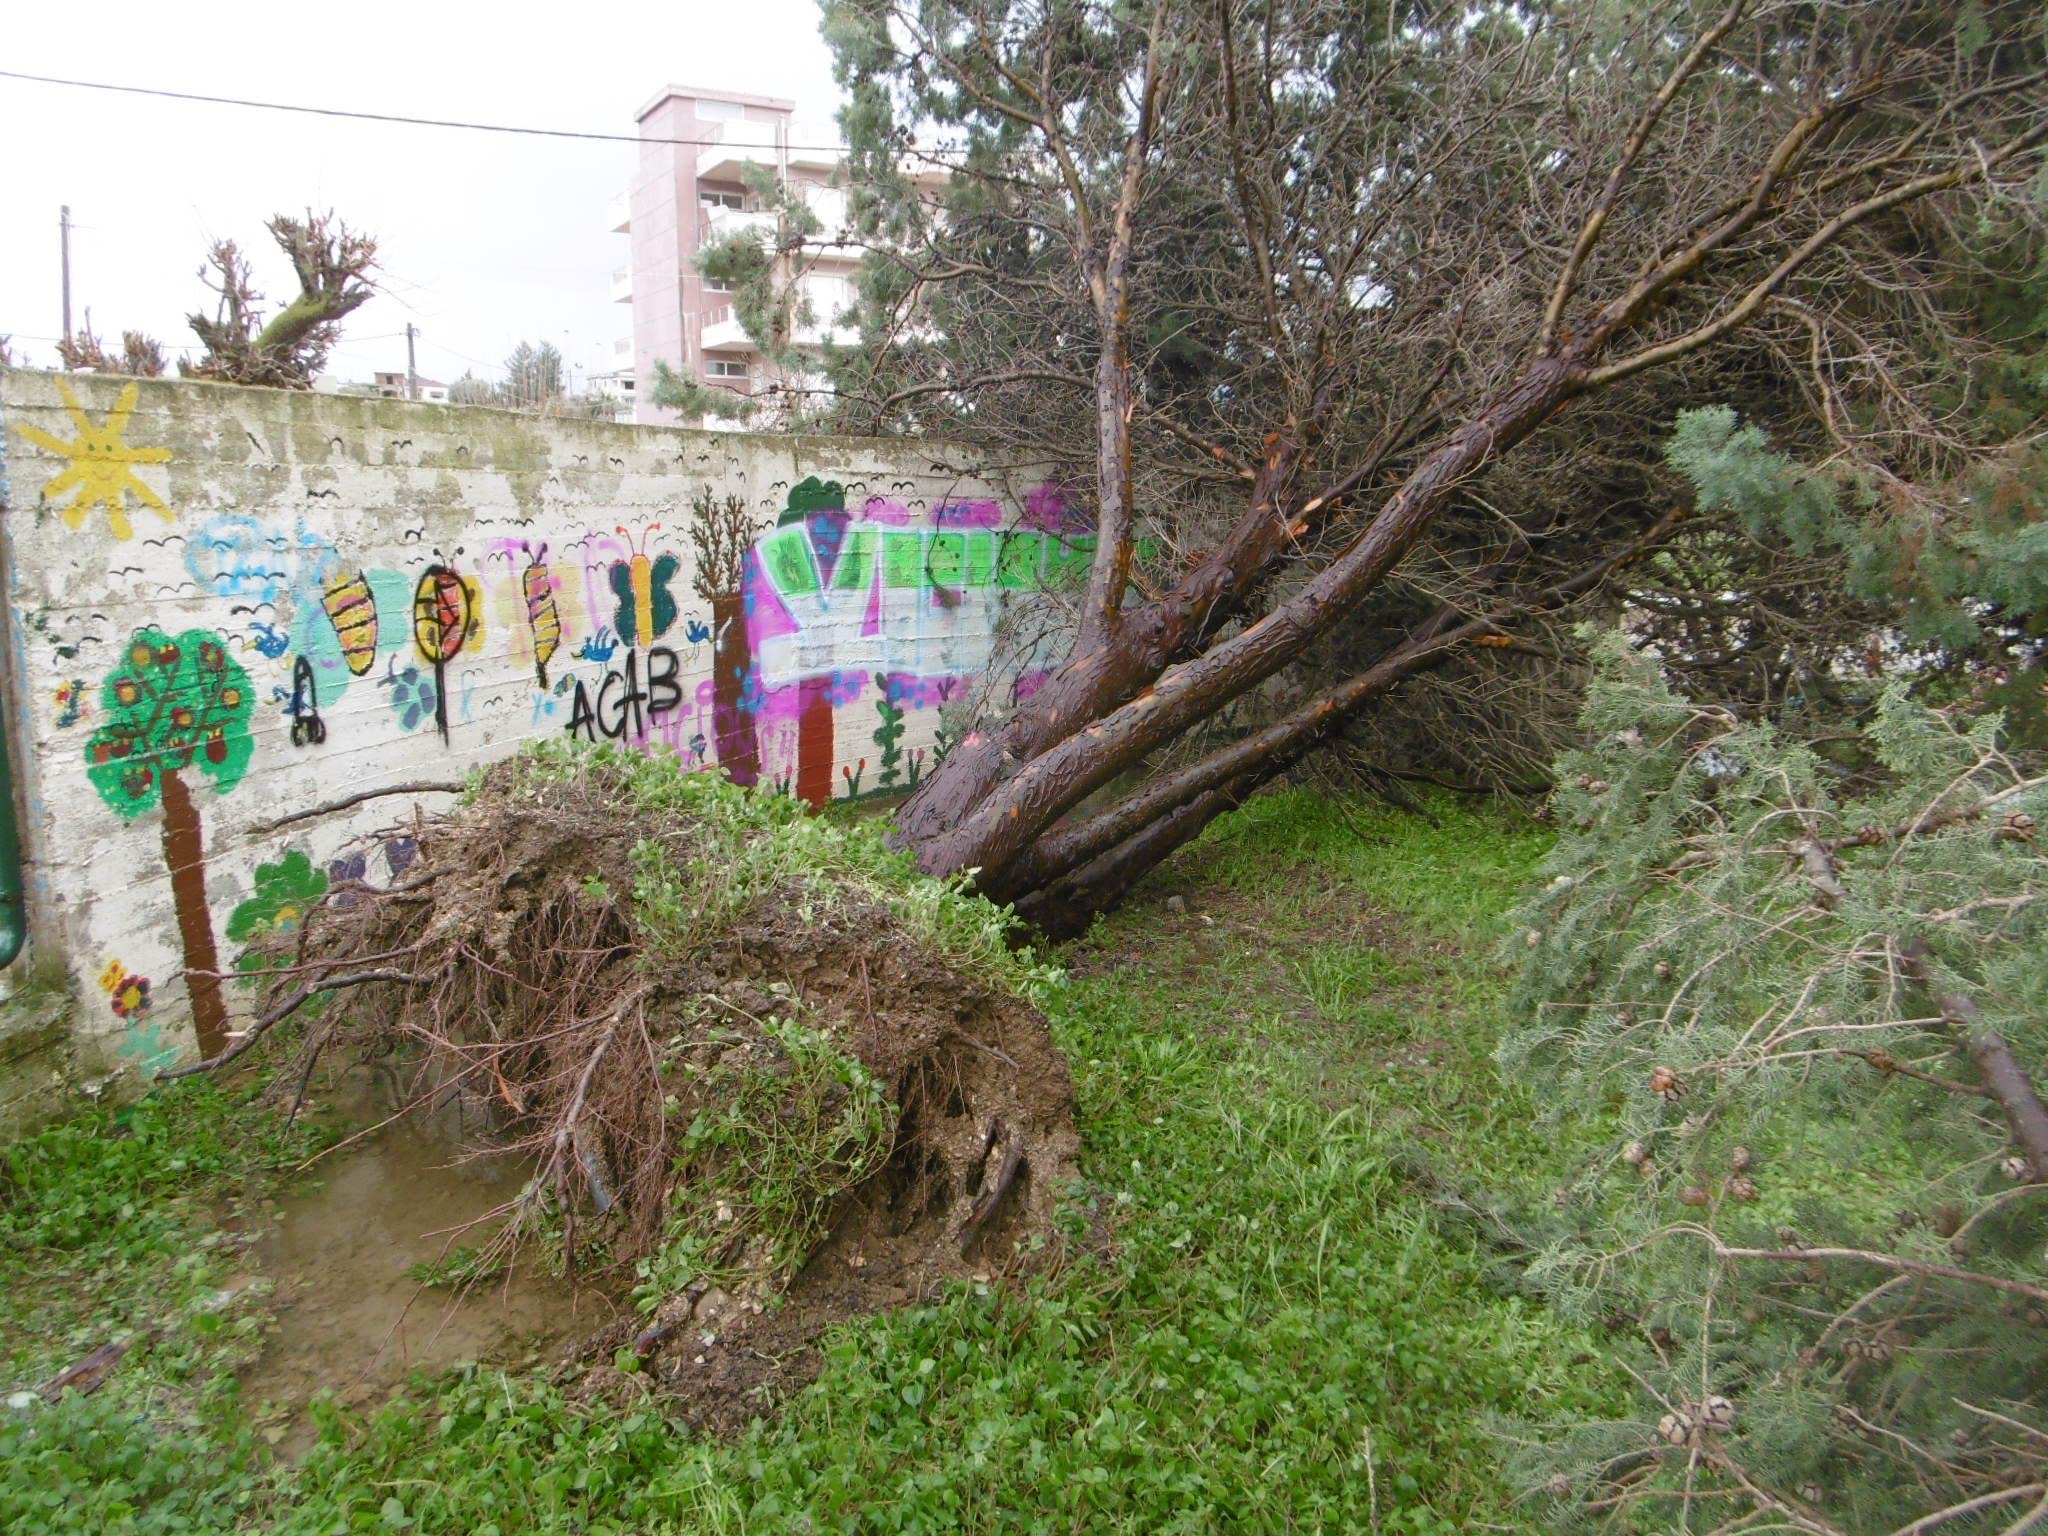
350	1318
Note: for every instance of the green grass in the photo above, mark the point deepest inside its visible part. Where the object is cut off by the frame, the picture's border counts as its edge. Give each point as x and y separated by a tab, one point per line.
1275	1314
110	1231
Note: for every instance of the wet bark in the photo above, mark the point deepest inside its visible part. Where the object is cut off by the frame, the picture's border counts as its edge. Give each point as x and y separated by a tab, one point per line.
185	856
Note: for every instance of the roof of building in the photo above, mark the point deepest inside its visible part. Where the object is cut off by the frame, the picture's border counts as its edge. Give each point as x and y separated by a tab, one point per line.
713	93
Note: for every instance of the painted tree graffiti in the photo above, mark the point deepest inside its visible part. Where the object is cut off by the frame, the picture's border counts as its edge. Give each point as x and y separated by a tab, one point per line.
441	617
176	705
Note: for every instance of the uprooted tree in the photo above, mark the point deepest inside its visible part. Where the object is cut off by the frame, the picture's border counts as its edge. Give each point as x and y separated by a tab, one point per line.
333	266
1359	312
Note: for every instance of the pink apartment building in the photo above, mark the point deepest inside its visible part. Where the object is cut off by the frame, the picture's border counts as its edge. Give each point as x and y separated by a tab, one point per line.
694	191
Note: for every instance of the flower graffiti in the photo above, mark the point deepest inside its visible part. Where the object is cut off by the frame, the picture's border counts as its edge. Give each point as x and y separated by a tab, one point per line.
413	696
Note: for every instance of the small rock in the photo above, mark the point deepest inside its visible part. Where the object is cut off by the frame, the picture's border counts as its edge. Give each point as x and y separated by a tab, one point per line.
1177	905
699	1360
21	1402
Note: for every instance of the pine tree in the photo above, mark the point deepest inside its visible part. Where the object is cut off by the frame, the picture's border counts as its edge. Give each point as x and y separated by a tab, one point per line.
1796	1011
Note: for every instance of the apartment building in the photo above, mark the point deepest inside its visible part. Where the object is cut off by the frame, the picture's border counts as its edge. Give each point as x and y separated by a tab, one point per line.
691	190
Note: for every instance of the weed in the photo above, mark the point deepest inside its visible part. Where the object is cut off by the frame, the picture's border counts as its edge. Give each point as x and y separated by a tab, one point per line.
761	1163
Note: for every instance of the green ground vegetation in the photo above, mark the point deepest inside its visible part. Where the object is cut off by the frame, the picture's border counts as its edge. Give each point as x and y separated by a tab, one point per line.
1284	1304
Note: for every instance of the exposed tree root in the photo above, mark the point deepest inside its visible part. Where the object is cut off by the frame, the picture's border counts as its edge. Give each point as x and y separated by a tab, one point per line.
728	1096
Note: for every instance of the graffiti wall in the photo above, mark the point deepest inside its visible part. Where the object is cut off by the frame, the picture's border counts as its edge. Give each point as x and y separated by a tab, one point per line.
227	606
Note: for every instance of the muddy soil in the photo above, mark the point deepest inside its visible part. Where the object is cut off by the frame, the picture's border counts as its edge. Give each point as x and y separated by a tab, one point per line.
349	1318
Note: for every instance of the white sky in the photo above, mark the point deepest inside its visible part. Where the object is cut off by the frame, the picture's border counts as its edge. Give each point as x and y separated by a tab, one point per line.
485	238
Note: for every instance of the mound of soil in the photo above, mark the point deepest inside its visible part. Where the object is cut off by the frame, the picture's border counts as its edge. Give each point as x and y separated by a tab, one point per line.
514	964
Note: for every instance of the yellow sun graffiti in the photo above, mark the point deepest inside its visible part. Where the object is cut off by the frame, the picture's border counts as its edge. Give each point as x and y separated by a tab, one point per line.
100	473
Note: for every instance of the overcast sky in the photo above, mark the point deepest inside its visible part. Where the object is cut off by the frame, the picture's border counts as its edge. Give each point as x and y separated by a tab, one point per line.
484	238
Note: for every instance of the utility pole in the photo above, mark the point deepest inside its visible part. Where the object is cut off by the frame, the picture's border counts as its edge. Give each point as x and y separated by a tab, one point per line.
64	242
412	372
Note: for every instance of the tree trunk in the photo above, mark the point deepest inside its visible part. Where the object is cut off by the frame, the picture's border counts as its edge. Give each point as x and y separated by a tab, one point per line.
1099	717
186	858
739	752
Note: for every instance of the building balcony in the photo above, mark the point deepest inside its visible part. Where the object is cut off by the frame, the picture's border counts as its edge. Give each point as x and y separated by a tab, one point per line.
623	349
622	286
722	331
619	214
741	144
723	223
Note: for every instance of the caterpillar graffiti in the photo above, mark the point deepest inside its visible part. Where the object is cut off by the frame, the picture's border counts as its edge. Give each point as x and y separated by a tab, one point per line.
541	612
627	714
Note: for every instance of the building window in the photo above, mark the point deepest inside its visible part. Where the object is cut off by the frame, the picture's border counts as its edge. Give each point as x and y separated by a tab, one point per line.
721	199
724	368
717	285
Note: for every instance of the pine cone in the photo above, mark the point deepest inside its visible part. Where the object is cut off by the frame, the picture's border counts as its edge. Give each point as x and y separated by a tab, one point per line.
1740	1160
1665	1084
1740	1188
1675	1429
1717	1414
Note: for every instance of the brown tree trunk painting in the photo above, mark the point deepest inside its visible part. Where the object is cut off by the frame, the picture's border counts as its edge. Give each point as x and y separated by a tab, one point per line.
739	753
186	859
814	740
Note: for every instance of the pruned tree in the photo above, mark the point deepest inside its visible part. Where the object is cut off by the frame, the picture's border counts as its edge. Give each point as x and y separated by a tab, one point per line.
333	266
1324	290
140	355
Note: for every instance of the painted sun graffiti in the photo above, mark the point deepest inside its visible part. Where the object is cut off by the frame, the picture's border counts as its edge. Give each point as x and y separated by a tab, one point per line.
102	468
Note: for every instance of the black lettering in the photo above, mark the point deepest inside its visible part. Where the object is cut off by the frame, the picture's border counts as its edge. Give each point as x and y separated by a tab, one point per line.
603	690
631	721
581	717
664	693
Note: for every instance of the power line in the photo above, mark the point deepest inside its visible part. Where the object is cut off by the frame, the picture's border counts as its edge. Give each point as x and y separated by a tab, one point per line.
385	117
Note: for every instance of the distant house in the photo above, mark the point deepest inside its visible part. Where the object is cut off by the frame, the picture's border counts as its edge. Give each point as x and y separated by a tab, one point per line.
391	386
617	388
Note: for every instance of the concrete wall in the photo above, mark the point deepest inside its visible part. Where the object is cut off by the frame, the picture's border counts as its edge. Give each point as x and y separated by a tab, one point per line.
228	605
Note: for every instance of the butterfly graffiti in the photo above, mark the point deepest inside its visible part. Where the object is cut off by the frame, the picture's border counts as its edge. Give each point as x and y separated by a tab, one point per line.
647	609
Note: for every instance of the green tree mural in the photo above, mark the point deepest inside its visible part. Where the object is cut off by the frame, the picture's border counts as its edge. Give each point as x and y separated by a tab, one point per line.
174	705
